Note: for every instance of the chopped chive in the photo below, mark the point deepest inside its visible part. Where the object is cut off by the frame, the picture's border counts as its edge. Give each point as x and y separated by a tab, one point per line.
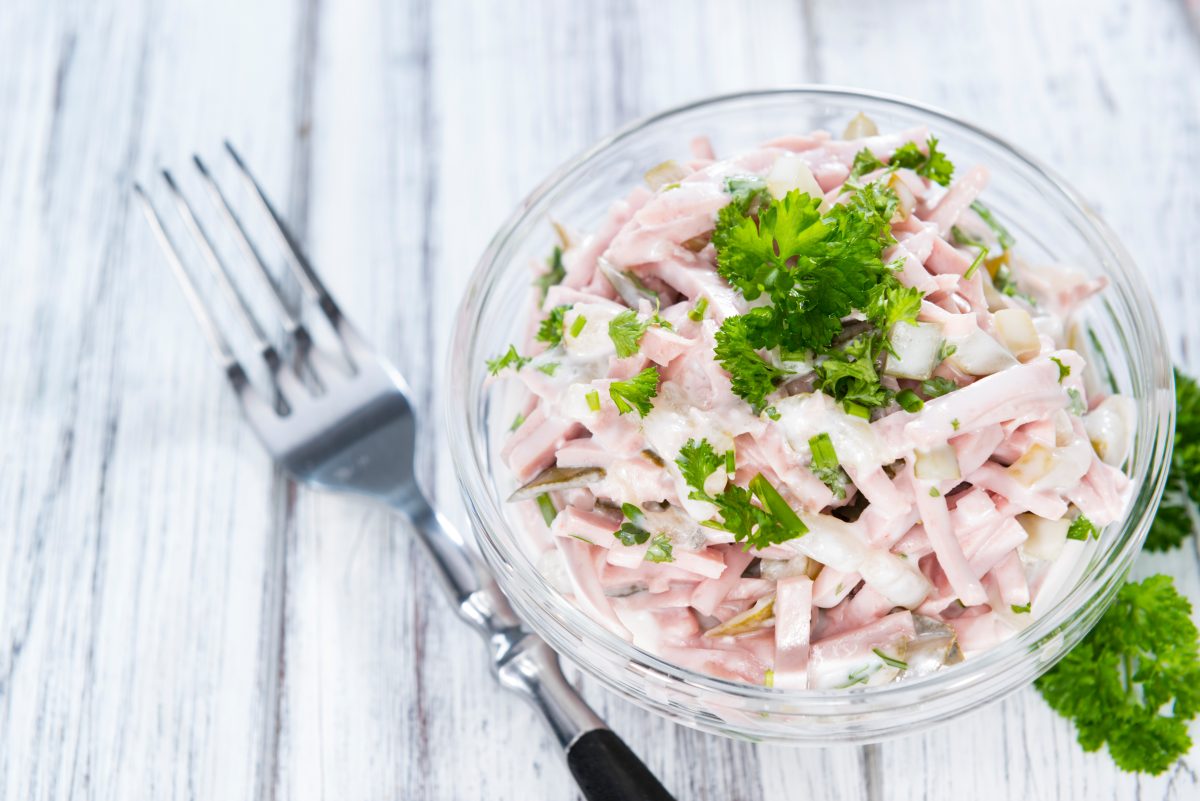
577	326
909	401
517	421
890	661
697	312
730	462
593	400
954	424
547	506
582	539
769	678
975	264
1021	610
933	492
857	410
1082	529
774	503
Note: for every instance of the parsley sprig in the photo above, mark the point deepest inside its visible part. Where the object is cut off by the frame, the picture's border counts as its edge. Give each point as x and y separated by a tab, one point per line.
635	393
816	269
770	522
1134	681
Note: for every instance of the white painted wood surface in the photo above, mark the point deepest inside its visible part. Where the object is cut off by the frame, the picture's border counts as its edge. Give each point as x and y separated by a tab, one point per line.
178	621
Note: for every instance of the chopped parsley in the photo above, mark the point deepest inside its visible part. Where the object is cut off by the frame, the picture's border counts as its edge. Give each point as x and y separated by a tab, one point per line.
548	367
1021	610
1134	681
954	424
1082	529
636	392
1077	407
510	358
551	329
932	164
632	531
661	549
1063	369
626	331
937	386
770	522
697	461
825	465
933	492
555	272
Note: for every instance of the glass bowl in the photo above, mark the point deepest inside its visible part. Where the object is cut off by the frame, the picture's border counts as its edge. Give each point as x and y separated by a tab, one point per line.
1050	222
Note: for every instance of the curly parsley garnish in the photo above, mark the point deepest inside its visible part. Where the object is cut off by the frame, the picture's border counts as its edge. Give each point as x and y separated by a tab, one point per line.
1134	681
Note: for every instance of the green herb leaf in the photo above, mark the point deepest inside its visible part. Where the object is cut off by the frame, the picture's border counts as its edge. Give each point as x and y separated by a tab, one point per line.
931	164
660	550
1134	681
636	392
510	358
825	465
555	272
1063	369
551	329
625	330
1021	610
697	461
937	386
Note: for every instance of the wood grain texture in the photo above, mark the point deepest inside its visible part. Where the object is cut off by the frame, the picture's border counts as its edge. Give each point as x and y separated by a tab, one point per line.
178	621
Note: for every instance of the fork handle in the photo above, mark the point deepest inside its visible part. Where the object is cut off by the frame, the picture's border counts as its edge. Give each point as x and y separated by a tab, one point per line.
605	769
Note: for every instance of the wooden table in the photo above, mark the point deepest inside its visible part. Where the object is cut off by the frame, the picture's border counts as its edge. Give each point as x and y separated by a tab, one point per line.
177	620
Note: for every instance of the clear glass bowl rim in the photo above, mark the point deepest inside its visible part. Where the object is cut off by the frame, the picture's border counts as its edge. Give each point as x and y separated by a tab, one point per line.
1088	598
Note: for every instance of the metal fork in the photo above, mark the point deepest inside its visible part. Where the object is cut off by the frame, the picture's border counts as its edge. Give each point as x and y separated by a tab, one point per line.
353	429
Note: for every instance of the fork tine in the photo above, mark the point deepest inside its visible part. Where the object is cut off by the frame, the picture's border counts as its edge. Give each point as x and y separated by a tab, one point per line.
293	326
297	259
221	272
220	346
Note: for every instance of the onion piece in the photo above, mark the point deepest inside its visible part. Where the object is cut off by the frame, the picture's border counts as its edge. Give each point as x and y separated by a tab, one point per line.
792	173
1046	537
1017	333
916	350
939	463
660	175
977	353
1110	428
860	125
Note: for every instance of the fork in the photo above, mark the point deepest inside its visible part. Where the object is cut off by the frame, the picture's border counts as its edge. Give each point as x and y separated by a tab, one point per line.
344	422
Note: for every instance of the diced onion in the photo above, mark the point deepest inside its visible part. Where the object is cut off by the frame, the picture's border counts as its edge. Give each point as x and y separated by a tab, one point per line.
792	173
1046	537
916	350
860	125
977	353
939	463
663	174
1017	333
1110	428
